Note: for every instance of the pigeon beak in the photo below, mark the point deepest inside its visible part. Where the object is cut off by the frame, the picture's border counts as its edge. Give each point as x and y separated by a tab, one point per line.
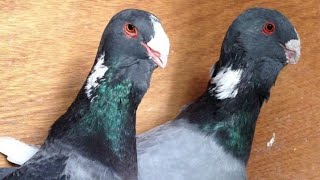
292	50
156	56
158	46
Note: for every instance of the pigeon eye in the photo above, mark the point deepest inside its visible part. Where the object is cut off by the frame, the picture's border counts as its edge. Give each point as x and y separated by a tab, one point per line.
130	30
269	28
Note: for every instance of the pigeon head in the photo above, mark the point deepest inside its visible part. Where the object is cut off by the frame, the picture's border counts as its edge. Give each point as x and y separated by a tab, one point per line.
265	33
258	44
136	36
133	44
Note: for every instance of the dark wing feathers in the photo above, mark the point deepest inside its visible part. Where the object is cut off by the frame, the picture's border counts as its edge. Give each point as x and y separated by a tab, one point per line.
6	171
50	167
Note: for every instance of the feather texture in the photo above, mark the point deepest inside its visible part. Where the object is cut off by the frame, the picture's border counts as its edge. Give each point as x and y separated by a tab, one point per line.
184	153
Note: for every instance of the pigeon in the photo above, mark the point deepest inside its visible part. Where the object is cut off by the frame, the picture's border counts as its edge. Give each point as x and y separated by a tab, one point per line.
96	137
211	138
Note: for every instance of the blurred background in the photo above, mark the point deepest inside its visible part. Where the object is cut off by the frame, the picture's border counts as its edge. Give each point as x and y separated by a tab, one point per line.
47	49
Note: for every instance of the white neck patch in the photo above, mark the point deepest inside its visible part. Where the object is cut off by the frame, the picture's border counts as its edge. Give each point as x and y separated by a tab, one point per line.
97	73
226	81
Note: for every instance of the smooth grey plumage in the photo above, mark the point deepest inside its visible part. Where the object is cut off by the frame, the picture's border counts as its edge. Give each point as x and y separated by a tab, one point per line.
177	150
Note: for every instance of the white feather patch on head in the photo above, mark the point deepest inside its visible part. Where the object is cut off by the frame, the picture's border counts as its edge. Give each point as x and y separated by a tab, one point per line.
160	42
294	45
16	151
97	73
226	81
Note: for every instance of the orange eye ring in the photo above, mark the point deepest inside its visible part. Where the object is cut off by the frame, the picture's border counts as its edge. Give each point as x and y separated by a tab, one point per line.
130	30
269	28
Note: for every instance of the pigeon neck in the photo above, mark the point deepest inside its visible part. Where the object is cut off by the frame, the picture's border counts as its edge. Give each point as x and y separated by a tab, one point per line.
229	111
102	125
111	123
232	122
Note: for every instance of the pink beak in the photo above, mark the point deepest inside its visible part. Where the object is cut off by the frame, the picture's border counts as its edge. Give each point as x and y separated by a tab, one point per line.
161	62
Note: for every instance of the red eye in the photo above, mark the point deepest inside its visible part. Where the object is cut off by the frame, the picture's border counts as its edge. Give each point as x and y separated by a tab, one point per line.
130	30
269	28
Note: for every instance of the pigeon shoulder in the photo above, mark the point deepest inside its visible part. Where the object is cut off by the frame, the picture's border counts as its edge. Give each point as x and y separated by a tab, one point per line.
177	150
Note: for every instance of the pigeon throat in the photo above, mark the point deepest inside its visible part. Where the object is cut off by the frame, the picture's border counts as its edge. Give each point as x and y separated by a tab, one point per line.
231	122
103	129
229	109
111	116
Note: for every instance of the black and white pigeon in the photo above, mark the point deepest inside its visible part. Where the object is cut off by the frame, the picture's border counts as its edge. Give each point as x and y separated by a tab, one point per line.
211	138
95	138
